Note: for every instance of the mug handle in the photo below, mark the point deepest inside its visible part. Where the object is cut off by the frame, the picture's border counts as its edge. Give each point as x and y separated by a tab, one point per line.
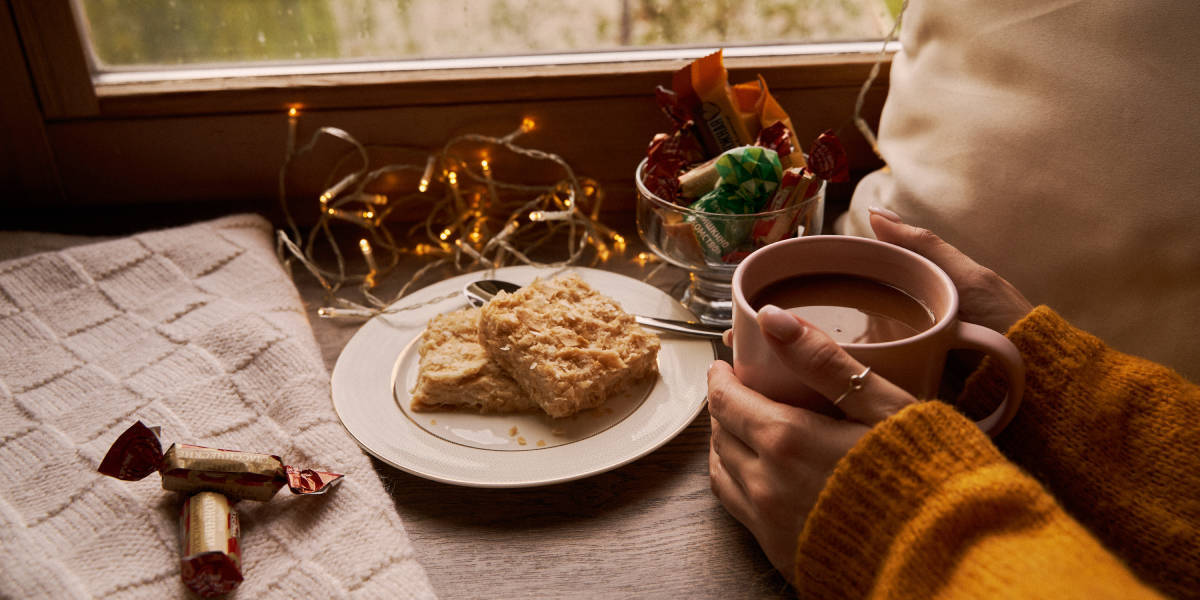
976	337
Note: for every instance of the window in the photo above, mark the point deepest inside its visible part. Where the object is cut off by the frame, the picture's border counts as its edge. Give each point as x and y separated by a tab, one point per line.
130	36
120	125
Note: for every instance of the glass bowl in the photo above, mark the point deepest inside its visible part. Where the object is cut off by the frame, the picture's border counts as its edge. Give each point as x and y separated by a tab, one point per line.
710	245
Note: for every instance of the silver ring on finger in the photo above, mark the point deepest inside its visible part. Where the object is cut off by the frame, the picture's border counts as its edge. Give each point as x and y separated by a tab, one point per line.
856	383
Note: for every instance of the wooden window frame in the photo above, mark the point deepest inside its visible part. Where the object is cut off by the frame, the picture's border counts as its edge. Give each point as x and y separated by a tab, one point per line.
138	146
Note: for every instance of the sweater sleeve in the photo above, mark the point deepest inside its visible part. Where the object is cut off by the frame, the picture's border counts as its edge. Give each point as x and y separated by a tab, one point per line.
924	506
1116	439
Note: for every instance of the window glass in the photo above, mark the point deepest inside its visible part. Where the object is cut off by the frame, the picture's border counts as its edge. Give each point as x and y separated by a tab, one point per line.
126	34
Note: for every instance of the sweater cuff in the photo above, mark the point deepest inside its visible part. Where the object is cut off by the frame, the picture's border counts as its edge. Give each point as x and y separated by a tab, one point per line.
876	488
1053	352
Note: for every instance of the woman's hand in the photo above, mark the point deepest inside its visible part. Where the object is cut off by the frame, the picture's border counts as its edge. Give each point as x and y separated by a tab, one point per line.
768	461
984	297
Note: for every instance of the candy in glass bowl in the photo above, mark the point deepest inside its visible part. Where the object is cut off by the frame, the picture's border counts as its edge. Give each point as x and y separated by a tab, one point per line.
728	179
709	245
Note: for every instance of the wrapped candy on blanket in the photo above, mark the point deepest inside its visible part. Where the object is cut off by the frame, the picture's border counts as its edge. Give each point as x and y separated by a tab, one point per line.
185	468
210	546
211	479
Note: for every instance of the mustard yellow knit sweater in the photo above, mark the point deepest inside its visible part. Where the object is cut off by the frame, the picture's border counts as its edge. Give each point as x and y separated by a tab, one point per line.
1092	492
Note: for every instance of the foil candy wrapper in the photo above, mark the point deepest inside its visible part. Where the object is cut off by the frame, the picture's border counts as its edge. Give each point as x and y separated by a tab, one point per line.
666	156
212	480
210	551
185	468
748	177
796	186
828	159
703	178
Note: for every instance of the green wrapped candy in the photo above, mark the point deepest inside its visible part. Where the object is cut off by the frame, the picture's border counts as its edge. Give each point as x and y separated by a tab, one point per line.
748	177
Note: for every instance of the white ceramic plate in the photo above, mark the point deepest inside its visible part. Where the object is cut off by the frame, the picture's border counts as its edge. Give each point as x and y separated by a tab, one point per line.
379	365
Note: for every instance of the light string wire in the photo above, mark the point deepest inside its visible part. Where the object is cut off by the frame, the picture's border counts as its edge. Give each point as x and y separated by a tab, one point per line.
479	222
859	121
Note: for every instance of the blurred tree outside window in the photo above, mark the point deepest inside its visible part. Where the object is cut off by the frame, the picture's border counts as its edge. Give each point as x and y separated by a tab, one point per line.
169	33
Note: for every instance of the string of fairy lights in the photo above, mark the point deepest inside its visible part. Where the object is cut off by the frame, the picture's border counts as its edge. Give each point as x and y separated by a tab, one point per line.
474	219
477	222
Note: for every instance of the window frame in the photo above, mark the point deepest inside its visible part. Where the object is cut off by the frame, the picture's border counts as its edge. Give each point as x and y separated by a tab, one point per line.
77	115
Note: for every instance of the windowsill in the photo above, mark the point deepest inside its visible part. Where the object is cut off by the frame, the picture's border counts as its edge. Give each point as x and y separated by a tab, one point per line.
131	75
188	91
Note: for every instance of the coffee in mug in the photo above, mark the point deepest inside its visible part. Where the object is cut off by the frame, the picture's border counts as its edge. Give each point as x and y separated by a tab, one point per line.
851	309
897	312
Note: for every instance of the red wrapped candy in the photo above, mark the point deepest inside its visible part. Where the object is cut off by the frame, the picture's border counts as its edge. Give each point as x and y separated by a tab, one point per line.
828	160
211	555
185	468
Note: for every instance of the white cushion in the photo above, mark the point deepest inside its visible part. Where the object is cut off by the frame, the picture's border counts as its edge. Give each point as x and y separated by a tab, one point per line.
1057	142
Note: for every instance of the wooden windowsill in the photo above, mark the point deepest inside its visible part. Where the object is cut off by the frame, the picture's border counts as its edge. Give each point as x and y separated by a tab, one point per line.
238	94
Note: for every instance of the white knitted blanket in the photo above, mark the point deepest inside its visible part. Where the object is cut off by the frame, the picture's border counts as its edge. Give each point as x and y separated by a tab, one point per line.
198	330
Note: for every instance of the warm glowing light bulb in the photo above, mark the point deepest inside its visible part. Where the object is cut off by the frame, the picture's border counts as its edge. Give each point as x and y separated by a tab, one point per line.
369	256
537	215
484	164
427	175
293	112
527	124
445	234
452	177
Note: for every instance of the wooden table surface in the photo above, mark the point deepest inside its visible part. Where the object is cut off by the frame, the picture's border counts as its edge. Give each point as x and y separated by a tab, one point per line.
649	529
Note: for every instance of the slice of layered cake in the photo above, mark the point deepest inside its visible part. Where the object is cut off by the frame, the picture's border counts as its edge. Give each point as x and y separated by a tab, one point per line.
456	373
568	346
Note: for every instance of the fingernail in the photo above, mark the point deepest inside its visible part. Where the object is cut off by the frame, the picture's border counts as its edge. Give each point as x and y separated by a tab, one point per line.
885	213
778	324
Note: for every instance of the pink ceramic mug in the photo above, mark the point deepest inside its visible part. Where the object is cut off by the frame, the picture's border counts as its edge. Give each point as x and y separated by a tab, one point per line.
914	363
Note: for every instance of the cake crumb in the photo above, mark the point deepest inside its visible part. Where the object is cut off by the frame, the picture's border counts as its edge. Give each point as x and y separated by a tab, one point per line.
513	431
521	441
433	421
541	443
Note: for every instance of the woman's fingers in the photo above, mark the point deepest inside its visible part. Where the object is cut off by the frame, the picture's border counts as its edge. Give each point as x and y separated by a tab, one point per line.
743	412
889	228
731	448
728	490
827	368
985	298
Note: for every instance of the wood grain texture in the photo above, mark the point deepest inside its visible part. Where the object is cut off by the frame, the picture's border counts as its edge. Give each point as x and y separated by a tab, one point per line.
57	59
650	529
26	160
235	158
